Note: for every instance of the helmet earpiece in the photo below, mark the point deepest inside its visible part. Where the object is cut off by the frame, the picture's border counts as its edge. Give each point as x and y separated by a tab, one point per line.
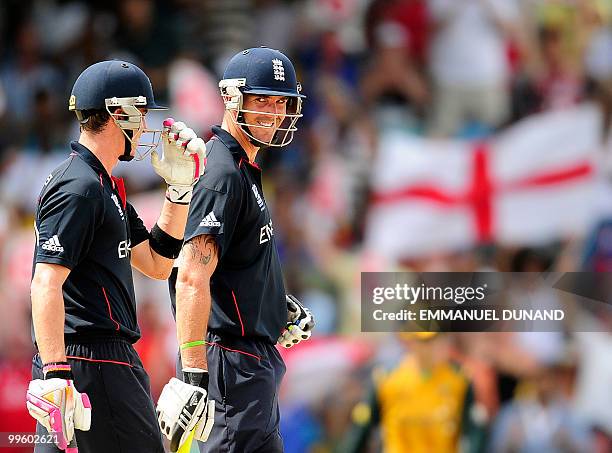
127	147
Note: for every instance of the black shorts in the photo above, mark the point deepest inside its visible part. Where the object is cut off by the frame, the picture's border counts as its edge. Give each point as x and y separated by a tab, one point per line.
245	377
122	412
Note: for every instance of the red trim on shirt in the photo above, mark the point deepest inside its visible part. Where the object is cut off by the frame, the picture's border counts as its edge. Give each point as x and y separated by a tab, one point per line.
110	313
234	350
238	311
120	185
252	164
116	362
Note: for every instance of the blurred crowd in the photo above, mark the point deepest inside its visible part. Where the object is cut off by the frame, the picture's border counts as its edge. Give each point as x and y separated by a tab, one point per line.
443	69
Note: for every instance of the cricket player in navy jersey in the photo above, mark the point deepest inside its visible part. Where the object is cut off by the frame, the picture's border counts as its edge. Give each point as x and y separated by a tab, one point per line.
228	290
89	388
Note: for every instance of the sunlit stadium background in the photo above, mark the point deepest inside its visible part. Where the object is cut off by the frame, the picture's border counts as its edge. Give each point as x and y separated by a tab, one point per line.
438	135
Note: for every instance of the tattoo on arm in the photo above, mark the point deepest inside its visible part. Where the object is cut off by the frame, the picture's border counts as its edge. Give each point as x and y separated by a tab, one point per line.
202	248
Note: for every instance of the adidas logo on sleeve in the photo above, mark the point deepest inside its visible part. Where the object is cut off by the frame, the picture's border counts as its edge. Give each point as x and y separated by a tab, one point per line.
210	220
52	244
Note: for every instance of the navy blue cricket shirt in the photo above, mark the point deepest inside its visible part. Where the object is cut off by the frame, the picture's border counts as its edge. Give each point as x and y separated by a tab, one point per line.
247	289
84	223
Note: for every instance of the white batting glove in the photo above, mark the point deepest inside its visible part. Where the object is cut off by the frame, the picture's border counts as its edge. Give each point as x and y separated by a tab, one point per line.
59	407
184	407
300	323
183	160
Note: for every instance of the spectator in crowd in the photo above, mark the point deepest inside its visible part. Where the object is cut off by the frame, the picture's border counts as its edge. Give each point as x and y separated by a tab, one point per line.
23	74
559	83
409	15
594	371
401	81
468	63
542	419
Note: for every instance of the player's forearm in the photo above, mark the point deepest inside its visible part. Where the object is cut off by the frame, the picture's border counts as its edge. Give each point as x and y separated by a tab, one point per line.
172	220
193	303
48	318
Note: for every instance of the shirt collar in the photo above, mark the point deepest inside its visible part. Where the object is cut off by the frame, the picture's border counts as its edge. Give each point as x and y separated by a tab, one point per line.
89	158
230	143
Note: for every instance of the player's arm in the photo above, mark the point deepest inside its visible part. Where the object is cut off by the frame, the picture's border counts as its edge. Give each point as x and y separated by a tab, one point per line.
48	310
168	232
184	406
181	166
473	423
193	300
54	401
364	417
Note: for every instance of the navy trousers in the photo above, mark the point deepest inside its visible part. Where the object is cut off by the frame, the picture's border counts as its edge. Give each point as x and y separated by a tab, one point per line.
245	377
123	416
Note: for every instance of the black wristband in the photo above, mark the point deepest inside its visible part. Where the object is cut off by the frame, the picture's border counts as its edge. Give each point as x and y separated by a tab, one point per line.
199	379
59	374
163	244
59	370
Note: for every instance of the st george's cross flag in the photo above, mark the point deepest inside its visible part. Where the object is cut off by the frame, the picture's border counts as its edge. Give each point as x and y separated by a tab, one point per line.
534	182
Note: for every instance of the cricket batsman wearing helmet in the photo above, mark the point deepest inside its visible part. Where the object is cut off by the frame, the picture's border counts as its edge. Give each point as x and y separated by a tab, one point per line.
231	305
89	386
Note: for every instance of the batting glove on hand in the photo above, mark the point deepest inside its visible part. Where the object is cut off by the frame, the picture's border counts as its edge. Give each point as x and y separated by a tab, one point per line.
183	161
58	406
184	407
300	323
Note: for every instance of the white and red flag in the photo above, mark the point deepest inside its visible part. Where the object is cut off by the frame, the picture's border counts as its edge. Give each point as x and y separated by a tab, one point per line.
532	183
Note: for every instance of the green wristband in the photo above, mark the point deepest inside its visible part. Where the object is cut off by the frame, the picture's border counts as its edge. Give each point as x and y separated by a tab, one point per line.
192	344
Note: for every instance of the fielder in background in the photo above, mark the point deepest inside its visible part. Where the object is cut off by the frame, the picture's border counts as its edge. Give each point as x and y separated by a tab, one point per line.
231	305
425	404
89	384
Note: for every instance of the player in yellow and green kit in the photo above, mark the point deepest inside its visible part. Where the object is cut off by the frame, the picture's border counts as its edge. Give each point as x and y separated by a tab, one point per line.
424	405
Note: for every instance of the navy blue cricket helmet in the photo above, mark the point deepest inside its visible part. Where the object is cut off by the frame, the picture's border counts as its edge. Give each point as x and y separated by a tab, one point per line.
108	85
111	79
266	72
